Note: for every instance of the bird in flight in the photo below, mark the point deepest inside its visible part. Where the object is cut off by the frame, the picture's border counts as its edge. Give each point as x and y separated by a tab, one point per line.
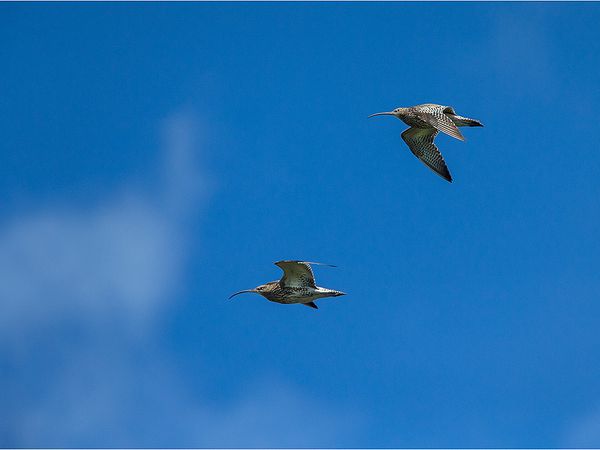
297	285
425	122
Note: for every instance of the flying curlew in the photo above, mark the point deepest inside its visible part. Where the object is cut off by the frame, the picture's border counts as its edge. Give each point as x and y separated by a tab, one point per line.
297	285
425	122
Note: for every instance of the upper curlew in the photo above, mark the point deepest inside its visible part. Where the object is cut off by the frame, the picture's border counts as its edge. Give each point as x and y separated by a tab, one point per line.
425	122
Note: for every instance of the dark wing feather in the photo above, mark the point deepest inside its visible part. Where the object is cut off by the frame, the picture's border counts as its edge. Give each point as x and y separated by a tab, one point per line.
420	142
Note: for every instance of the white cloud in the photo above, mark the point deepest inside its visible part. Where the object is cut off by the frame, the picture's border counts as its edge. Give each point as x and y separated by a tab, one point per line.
82	293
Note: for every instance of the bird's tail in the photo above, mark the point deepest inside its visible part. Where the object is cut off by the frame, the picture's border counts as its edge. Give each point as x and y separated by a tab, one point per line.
460	121
334	293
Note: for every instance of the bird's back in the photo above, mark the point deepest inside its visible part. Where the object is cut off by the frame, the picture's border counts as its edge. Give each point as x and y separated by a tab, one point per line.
424	106
433	107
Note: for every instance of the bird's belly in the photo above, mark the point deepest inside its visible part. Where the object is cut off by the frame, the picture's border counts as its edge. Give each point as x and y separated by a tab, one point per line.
290	296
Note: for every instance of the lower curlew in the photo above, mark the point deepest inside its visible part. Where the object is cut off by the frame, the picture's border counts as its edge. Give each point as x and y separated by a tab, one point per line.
297	285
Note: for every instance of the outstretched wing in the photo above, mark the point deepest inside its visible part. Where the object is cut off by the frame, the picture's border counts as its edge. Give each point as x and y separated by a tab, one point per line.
435	116
420	142
297	273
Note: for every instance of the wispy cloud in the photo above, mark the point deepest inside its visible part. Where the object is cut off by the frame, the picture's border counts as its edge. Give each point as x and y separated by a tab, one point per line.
123	403
516	55
584	432
112	261
82	294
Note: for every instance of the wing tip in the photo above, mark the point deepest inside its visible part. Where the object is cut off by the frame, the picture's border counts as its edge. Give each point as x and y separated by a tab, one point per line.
299	261
319	263
458	135
446	176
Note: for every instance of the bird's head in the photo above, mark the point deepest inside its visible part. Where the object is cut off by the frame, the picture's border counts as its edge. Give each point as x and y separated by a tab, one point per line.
396	112
262	289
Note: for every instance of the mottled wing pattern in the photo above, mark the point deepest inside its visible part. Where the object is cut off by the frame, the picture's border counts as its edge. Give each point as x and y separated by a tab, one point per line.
420	142
435	116
296	274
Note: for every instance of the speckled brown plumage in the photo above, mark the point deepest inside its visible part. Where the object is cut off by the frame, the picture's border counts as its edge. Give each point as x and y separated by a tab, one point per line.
297	285
425	122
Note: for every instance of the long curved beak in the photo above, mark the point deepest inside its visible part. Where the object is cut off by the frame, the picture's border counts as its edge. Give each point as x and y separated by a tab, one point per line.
241	292
387	113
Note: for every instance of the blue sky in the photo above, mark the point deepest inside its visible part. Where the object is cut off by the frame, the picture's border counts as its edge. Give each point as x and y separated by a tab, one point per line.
157	157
